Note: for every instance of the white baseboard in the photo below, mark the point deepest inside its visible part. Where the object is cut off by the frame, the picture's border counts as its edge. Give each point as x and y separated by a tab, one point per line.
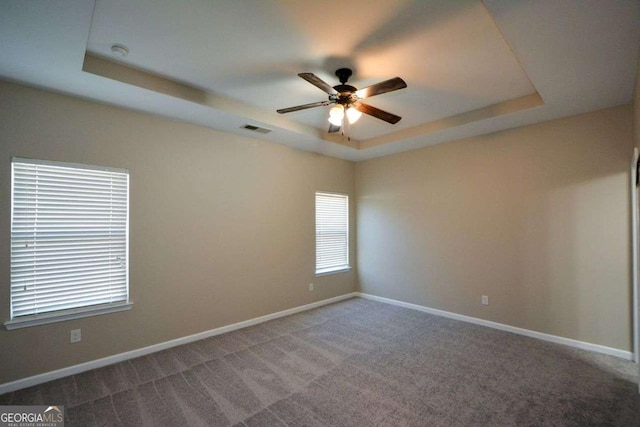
109	360
623	354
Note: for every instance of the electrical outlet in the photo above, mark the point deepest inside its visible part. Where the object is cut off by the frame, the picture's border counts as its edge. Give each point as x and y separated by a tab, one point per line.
485	300
310	287
76	335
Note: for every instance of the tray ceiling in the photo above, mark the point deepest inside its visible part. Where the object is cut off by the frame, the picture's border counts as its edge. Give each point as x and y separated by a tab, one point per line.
472	67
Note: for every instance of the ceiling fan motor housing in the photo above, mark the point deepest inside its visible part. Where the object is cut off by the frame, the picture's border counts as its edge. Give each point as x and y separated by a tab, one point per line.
346	93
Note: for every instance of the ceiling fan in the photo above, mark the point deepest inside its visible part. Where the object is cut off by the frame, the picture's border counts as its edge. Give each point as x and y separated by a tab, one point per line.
348	99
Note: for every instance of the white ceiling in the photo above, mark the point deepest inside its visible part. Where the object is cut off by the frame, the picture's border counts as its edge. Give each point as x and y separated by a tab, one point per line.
472	67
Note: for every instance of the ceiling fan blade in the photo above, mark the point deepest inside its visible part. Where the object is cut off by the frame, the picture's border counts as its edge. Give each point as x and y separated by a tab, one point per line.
304	107
318	82
333	128
382	87
377	113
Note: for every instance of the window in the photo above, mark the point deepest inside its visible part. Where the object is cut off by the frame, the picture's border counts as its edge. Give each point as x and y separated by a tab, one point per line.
332	233
69	241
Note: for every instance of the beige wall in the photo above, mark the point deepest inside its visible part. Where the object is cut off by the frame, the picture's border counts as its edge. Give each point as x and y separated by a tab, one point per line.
222	227
537	218
636	135
636	108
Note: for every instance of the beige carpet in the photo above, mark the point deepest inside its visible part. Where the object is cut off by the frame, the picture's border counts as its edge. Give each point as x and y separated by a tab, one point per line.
354	363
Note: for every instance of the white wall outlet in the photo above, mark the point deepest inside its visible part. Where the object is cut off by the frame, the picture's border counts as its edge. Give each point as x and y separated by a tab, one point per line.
485	300
76	335
310	287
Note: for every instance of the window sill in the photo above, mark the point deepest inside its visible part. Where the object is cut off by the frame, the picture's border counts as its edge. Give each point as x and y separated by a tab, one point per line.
335	270
43	319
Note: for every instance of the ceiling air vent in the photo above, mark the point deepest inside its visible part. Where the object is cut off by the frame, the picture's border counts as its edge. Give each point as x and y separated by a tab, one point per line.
258	129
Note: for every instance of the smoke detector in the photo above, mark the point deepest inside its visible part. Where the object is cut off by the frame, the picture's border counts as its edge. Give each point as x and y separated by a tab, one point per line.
119	49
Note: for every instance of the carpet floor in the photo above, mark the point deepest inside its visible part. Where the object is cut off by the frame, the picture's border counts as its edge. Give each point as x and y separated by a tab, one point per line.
353	363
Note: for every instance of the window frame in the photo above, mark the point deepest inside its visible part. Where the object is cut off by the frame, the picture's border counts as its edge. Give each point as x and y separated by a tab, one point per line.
61	315
343	267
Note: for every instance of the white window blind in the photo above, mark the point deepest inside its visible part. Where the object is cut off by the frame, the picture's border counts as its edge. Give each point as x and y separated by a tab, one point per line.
332	232
69	236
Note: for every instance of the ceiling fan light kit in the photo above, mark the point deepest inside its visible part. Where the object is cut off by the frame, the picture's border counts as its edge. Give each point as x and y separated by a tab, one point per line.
348	99
336	114
353	115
